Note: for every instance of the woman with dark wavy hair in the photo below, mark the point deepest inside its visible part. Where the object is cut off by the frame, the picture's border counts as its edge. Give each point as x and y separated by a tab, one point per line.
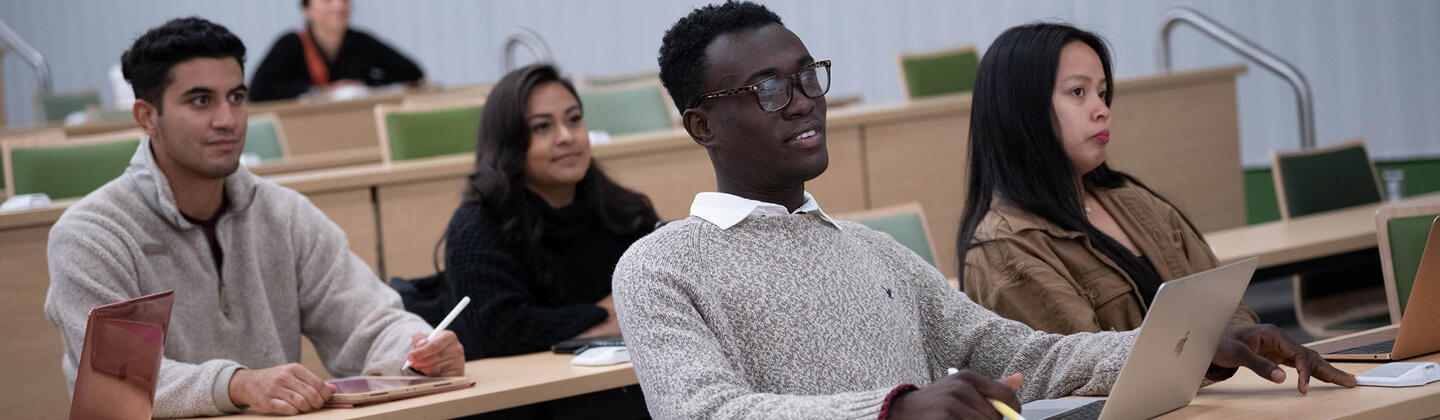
1051	235
540	227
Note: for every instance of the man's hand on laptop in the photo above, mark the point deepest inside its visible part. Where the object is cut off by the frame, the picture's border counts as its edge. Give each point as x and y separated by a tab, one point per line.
1260	347
286	389
442	356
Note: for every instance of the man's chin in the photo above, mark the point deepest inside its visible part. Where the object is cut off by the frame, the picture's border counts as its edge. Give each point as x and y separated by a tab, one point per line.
219	170
814	167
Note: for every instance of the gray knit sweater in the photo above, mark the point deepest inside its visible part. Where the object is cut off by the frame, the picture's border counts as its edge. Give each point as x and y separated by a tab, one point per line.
287	271
789	317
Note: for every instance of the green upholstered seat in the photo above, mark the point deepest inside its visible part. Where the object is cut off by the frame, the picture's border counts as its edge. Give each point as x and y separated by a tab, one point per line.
633	110
1323	181
263	139
67	171
421	134
1407	236
54	108
940	74
907	229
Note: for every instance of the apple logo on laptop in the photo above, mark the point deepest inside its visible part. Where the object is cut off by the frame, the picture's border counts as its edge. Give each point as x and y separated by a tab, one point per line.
1180	345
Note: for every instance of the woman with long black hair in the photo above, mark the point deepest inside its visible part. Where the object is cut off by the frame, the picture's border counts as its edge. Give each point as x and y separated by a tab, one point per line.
1051	235
540	227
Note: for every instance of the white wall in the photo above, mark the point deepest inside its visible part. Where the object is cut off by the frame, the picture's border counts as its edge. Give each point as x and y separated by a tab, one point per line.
1371	64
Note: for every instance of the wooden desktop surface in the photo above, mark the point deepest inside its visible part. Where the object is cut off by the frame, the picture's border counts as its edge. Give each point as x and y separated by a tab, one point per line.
1247	396
519	380
500	383
1304	238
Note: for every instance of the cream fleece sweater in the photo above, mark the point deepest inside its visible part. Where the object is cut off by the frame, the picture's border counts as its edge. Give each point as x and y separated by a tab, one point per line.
287	271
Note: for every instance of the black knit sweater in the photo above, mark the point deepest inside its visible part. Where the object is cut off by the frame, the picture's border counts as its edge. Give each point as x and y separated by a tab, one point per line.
507	314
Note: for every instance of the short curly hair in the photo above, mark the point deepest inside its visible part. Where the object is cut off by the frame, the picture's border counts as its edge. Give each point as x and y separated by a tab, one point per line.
682	51
147	64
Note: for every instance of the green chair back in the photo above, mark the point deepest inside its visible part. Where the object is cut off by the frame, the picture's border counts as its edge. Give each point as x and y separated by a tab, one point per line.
421	134
54	108
261	139
66	171
907	229
1320	182
944	74
627	111
1407	244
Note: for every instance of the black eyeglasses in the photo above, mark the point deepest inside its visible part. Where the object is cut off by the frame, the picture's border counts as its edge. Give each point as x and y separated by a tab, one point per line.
773	93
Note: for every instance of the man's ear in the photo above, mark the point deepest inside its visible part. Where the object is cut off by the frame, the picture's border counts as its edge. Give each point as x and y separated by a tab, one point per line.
697	123
147	115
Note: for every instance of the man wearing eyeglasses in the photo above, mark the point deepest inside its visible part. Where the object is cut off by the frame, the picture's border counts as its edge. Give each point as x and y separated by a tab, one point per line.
759	305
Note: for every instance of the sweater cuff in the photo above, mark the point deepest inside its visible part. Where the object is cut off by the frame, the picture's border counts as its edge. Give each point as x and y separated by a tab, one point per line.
220	391
890	398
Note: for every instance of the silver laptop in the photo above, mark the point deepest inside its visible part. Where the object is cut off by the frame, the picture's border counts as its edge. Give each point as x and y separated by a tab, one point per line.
1176	344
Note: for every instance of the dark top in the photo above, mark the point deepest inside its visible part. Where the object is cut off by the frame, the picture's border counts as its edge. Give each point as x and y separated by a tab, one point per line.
1148	285
506	315
208	227
283	74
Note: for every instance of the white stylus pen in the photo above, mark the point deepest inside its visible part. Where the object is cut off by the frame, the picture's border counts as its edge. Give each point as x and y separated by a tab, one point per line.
443	324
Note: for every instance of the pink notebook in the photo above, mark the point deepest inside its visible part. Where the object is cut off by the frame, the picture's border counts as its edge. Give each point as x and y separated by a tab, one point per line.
120	363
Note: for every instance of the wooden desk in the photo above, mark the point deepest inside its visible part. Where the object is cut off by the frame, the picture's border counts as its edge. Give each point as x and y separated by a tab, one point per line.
1304	238
1247	396
335	159
500	383
520	380
316	126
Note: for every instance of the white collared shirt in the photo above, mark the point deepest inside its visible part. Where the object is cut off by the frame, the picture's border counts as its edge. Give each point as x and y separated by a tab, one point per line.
726	210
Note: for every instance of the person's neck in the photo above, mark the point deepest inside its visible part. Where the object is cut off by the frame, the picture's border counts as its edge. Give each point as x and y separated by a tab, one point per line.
557	196
328	39
790	196
198	198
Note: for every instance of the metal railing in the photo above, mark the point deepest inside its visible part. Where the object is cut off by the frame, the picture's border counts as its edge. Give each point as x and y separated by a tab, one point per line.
28	53
532	41
1303	99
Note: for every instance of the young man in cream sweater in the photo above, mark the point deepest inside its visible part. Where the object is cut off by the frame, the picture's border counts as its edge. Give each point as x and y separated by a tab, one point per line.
253	265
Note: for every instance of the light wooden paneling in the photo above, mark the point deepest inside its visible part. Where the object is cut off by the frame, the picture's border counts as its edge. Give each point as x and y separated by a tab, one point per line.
1181	141
30	348
320	131
670	177
413	217
923	161
842	187
353	212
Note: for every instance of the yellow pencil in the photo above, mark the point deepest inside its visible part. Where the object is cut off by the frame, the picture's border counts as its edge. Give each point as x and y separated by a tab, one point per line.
1009	413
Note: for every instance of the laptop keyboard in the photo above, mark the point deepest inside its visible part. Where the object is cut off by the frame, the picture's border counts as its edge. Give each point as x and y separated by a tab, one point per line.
1089	411
1377	348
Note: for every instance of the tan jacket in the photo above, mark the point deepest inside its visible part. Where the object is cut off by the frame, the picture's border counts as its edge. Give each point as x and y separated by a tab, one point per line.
1033	271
